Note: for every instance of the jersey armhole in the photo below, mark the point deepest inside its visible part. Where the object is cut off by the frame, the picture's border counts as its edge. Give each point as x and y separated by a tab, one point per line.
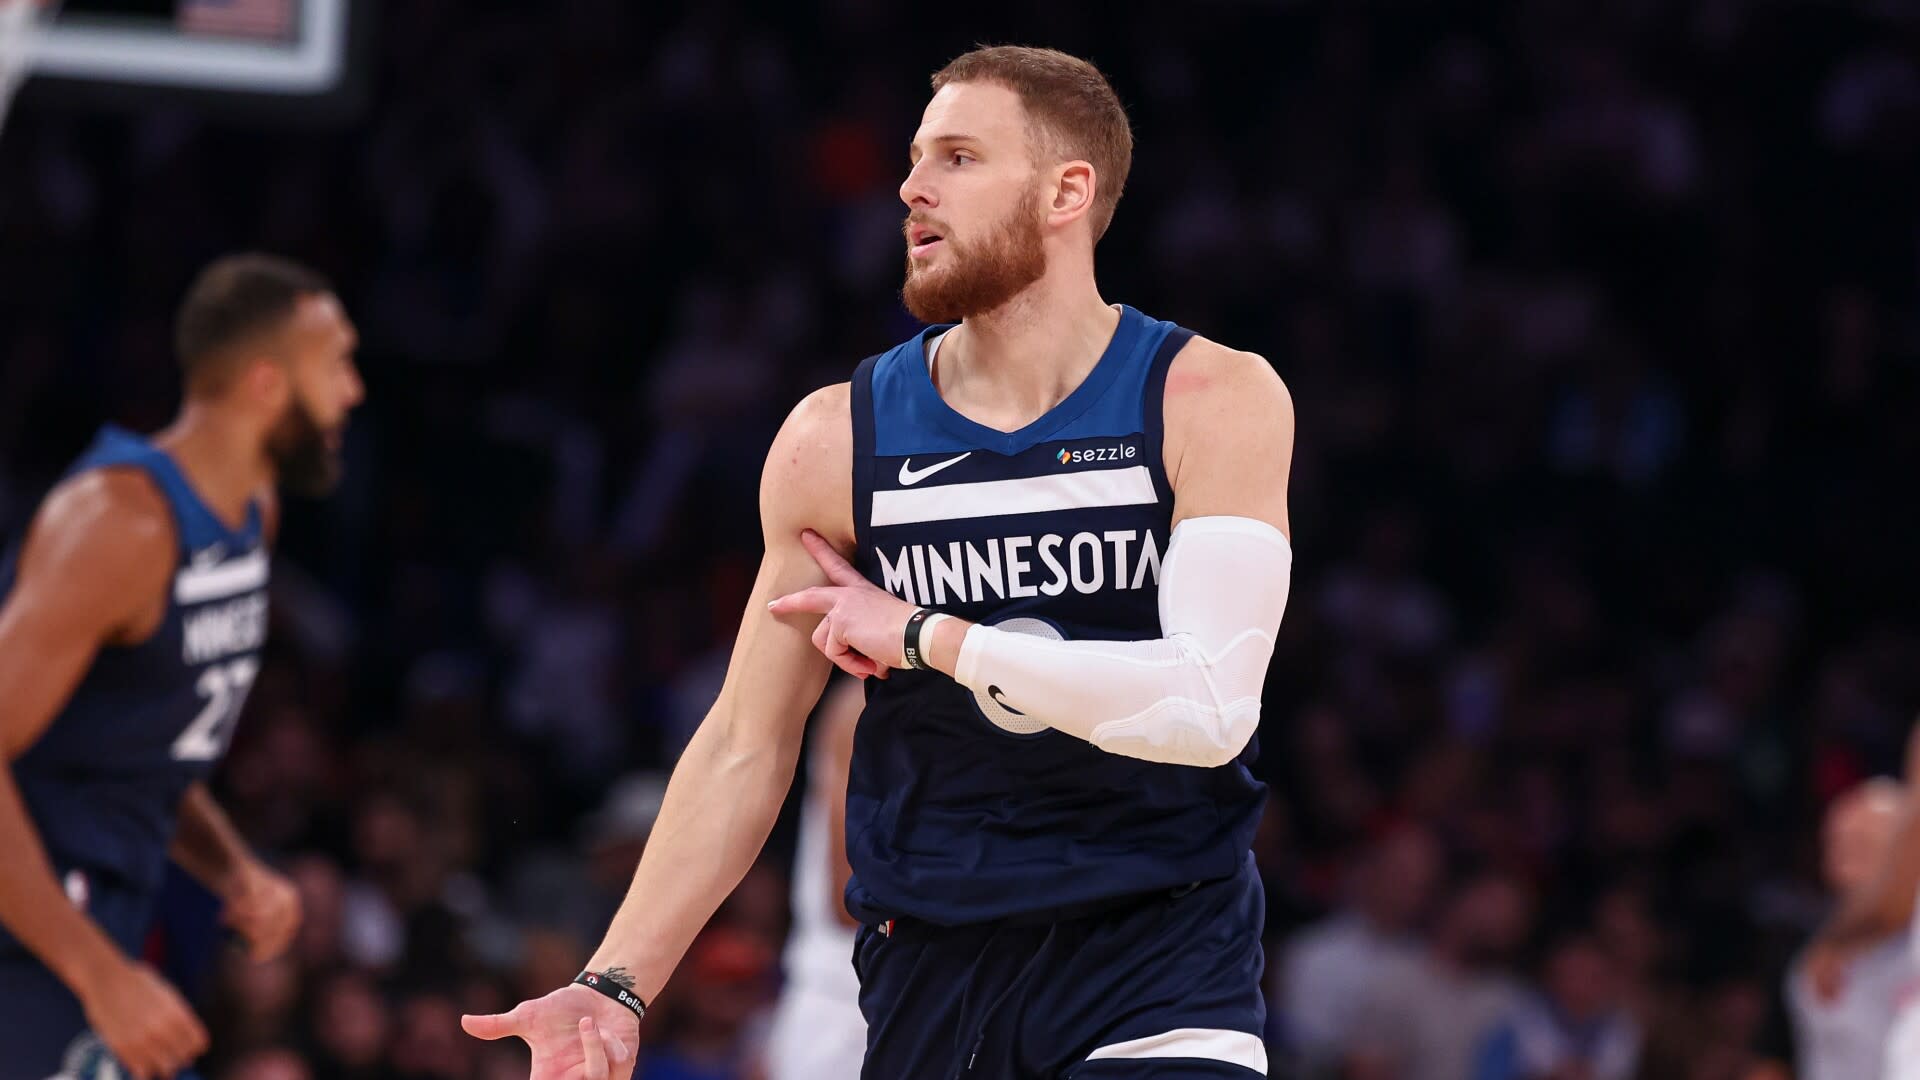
861	405
1153	409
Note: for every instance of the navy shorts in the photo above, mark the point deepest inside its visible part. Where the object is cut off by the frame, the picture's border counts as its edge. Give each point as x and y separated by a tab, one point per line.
41	1023
44	1032
43	1029
1167	988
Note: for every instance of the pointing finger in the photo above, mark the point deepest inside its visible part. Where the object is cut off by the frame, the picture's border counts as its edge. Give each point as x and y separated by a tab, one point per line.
818	601
839	570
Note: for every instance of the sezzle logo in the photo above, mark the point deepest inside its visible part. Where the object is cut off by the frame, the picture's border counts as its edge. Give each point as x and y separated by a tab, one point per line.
1099	453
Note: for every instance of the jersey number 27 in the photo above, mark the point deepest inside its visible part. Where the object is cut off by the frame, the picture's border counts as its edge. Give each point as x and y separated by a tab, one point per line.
224	686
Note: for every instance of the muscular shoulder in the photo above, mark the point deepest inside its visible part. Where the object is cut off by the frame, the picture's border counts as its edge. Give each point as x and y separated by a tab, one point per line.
107	511
104	539
1219	395
1228	417
1208	379
808	479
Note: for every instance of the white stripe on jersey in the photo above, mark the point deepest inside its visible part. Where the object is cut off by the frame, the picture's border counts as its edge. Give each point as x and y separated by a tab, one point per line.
1025	495
196	584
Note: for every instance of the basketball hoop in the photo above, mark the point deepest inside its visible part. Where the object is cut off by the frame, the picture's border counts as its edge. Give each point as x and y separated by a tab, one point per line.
19	26
282	54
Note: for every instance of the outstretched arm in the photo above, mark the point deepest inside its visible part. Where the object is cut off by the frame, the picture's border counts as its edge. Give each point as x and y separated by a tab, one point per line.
729	785
1188	697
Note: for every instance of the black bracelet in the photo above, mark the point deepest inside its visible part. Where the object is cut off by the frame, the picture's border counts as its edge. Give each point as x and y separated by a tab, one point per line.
616	984
912	645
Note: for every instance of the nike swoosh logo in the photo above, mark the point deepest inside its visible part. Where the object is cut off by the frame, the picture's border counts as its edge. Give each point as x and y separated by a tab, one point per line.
994	693
910	476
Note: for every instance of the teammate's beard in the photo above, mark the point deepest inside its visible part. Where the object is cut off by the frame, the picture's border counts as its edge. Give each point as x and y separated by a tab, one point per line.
979	278
302	461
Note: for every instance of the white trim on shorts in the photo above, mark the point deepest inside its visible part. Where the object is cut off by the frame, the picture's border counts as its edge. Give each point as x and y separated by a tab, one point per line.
1212	1044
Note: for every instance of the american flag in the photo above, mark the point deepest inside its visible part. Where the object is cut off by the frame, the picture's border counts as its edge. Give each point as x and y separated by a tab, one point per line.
238	18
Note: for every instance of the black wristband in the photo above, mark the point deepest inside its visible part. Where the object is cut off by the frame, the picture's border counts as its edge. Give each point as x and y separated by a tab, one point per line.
609	985
911	647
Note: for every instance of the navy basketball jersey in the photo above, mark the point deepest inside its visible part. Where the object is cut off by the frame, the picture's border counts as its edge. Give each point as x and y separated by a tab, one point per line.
961	809
104	782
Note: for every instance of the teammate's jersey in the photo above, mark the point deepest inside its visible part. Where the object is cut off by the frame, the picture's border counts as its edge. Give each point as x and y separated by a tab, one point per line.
959	808
104	782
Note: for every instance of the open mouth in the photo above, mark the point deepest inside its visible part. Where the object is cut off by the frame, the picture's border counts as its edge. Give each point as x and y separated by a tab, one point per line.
921	242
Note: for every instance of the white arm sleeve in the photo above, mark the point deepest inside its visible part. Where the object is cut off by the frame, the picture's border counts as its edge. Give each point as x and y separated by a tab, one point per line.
1189	698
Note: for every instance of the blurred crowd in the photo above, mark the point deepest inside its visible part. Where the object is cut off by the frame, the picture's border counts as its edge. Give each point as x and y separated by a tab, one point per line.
1603	326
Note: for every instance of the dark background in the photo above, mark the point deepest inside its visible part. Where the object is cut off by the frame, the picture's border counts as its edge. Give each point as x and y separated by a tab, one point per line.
1602	327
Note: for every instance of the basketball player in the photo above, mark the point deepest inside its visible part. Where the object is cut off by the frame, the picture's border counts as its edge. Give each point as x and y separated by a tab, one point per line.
131	630
1052	534
1844	1036
818	1032
1884	905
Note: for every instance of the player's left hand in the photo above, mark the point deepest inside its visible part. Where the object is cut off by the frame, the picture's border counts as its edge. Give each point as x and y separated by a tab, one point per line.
264	908
863	627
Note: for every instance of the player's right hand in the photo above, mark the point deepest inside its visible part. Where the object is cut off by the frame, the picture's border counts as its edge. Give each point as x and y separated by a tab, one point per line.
144	1021
575	1034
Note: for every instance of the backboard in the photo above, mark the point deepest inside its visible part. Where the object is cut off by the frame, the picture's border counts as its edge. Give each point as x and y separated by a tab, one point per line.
296	52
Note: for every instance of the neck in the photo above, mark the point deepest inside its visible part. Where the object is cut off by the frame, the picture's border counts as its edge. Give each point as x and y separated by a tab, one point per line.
222	459
1021	359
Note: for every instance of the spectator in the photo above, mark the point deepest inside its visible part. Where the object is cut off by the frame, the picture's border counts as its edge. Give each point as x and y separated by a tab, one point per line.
1426	1016
1330	969
1577	1027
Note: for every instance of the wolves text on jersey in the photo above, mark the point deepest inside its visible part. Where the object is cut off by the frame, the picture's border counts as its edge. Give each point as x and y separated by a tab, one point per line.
238	625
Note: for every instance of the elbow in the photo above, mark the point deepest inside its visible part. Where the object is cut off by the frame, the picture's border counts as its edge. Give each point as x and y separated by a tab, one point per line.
1235	732
1183	732
1210	756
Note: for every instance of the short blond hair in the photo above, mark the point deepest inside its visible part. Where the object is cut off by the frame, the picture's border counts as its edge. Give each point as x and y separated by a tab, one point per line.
1071	107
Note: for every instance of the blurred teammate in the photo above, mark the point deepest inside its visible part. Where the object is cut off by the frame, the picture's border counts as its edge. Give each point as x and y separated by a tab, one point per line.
1049	810
818	1033
130	632
1842	1035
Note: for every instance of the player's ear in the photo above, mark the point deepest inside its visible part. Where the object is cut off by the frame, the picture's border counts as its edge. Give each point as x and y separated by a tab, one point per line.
1073	189
267	382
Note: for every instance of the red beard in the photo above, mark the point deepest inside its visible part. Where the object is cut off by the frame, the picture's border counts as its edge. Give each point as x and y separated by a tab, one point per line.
980	278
